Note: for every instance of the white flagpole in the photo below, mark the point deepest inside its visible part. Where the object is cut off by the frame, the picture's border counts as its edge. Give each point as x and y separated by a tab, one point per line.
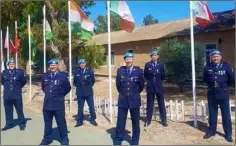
15	44
2	62
193	65
7	35
44	38
109	56
30	79
70	59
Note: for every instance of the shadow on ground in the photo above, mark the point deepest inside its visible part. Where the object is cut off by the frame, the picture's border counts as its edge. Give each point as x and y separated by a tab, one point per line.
112	132
16	122
201	126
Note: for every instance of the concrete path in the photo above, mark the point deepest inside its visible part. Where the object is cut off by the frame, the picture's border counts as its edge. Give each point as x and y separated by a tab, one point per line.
33	133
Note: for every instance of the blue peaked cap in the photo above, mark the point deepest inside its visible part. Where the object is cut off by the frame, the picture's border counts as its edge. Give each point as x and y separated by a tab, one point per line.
81	60
10	61
52	61
215	52
128	55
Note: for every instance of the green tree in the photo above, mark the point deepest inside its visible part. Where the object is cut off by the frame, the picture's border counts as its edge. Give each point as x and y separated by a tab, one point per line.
176	55
93	55
149	19
57	15
101	24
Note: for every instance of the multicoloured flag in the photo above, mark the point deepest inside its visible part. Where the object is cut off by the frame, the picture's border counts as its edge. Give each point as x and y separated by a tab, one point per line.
121	9
32	43
48	31
202	13
80	24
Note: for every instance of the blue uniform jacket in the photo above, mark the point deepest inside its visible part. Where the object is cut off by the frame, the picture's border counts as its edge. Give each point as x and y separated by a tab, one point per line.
55	89
218	79
13	83
84	80
129	87
154	74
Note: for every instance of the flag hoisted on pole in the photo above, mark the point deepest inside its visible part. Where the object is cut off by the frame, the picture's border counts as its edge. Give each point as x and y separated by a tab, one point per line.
109	56
7	43
44	39
30	79
203	17
70	59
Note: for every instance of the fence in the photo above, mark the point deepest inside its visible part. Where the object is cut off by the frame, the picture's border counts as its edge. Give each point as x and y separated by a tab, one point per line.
175	110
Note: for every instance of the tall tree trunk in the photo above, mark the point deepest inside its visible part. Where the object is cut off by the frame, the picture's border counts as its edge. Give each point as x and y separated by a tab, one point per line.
53	15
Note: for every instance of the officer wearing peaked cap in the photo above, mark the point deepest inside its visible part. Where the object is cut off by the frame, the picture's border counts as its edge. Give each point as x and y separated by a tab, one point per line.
84	80
154	73
13	81
218	75
129	83
55	85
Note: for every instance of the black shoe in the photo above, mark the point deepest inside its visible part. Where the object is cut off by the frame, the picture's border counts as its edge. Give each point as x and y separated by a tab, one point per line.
208	135
45	142
78	124
146	124
94	123
7	127
164	124
65	142
229	139
22	127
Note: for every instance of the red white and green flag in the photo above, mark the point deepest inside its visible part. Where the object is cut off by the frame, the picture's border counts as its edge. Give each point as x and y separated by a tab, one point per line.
80	24
202	13
48	31
121	9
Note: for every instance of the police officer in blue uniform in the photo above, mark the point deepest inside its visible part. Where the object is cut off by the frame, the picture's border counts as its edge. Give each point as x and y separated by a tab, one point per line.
154	73
218	75
84	80
13	81
129	83
55	85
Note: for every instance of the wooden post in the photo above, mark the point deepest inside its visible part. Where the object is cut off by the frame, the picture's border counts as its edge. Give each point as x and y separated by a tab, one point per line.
171	110
99	106
203	111
105	104
177	109
183	112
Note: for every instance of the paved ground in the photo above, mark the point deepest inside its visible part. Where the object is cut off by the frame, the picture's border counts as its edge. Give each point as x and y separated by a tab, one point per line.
34	132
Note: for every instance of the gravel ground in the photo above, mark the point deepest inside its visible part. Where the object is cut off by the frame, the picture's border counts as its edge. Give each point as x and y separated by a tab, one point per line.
177	132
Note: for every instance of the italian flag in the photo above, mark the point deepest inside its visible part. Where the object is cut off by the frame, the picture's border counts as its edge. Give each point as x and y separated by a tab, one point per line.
80	24
48	31
202	13
120	9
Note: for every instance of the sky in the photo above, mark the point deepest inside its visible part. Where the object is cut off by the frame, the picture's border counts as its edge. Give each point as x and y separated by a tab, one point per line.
162	10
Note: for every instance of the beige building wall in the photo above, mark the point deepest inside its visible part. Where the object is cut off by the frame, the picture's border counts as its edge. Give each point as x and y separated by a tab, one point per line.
143	48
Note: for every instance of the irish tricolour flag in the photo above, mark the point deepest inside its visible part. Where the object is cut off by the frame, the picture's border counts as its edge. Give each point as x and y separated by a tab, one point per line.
120	9
80	24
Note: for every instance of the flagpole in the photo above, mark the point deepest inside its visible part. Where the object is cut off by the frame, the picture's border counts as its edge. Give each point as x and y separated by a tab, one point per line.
2	64
30	79
15	44
70	59
7	35
44	39
109	56
193	65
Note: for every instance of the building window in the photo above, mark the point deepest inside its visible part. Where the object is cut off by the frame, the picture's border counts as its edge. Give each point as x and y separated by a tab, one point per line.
105	57
130	51
112	58
208	49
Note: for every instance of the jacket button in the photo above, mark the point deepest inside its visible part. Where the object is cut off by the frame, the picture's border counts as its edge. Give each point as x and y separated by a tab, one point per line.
128	88
50	90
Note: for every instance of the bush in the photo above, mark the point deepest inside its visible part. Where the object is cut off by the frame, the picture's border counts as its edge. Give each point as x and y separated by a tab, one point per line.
93	54
176	55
